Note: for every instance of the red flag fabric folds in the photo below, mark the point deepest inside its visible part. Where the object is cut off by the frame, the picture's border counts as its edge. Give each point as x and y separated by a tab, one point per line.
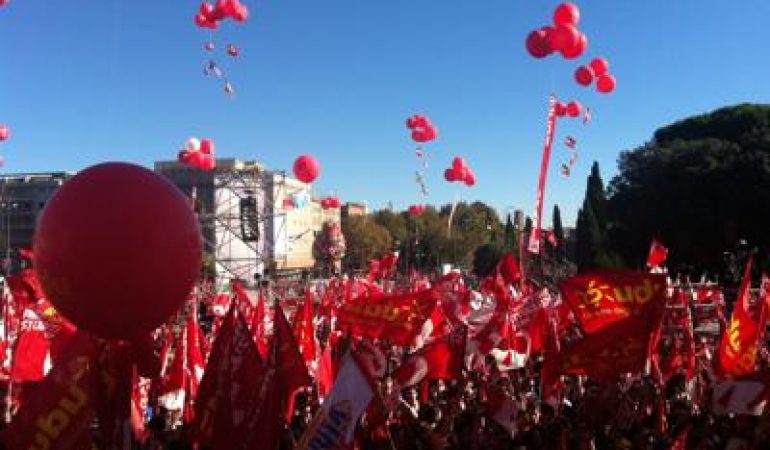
397	318
602	298
444	359
738	346
658	254
59	410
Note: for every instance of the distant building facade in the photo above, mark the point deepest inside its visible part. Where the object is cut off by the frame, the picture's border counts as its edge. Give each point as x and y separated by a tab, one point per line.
22	198
354	209
253	220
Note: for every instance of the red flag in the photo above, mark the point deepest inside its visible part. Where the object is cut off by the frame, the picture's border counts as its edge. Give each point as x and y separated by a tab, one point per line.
115	372
290	365
602	298
738	346
173	389
621	347
59	411
304	331
25	288
258	325
509	268
230	383
397	318
333	425
325	372
443	359
195	363
31	359
658	254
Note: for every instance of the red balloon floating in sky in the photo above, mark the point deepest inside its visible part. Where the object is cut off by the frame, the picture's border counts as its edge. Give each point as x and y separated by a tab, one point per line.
584	75
605	84
539	42
600	66
5	132
117	250
306	168
566	14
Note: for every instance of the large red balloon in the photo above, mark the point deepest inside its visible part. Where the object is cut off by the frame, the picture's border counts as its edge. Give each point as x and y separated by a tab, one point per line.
5	132
584	75
566	14
600	66
539	42
306	168
605	84
579	47
117	250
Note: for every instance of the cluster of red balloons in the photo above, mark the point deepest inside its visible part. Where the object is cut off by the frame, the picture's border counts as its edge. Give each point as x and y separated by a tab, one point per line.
209	15
5	132
416	210
306	168
198	153
422	128
460	171
563	36
330	203
571	109
599	70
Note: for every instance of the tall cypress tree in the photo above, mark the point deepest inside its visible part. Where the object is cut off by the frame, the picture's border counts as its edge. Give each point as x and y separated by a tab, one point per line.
591	247
510	234
558	232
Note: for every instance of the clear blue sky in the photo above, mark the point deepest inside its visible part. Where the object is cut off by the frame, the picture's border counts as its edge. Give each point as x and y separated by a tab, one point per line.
85	82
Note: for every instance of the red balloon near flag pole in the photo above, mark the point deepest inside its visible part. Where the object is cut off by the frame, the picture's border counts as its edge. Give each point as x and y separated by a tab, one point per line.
5	132
117	250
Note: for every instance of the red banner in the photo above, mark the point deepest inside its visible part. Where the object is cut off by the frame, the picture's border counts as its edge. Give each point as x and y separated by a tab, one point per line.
601	298
614	350
397	318
535	235
59	410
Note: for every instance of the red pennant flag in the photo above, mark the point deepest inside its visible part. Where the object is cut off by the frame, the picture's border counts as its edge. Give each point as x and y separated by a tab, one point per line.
31	358
443	359
289	362
304	331
509	268
230	383
258	325
333	425
195	363
325	372
739	343
658	254
396	318
59	410
602	298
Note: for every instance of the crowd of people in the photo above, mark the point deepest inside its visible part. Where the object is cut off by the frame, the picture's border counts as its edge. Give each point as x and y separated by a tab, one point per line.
493	404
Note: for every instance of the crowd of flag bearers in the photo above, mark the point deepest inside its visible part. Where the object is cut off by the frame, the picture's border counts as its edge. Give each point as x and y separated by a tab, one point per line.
605	360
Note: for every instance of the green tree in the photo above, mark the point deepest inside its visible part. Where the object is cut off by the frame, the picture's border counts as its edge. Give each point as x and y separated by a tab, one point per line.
395	223
365	240
699	185
558	231
509	241
485	259
592	250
